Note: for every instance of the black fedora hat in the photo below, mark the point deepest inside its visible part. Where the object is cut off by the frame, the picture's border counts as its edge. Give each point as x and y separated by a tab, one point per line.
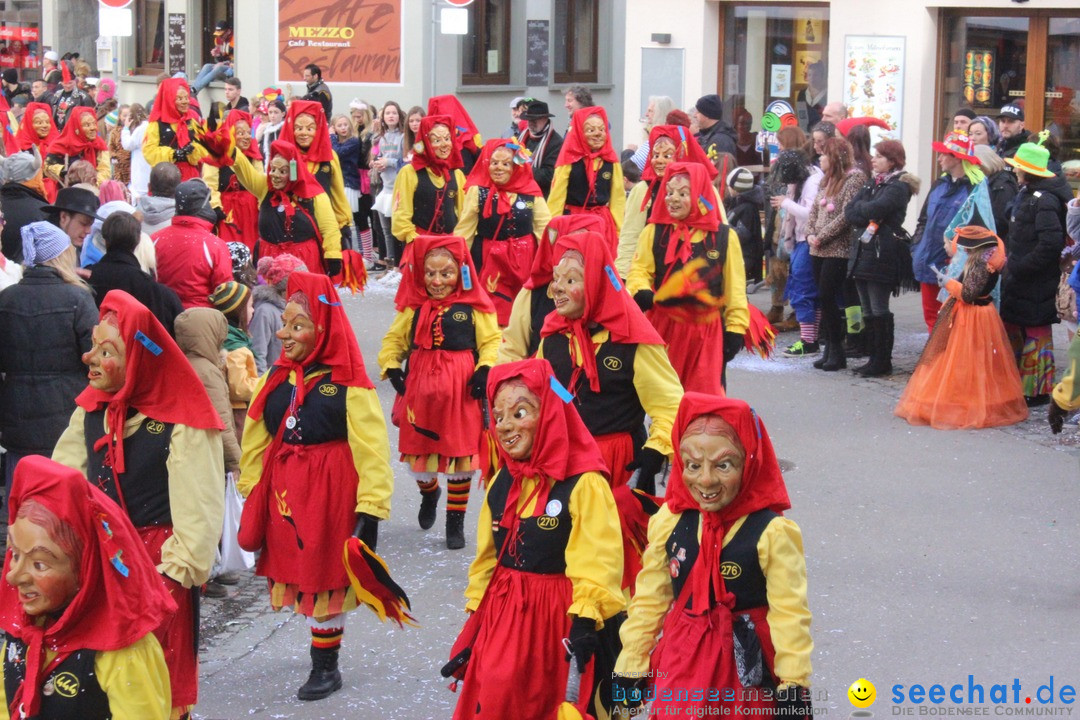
536	110
74	200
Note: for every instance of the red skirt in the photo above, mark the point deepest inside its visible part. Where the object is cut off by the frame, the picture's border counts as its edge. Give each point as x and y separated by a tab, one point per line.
312	511
308	251
187	170
518	667
242	210
617	449
177	635
694	669
506	265
696	349
604	212
440	416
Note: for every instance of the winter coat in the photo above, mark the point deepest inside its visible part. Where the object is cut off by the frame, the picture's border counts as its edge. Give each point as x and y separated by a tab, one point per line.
191	259
543	165
928	243
1003	189
886	259
827	221
1036	237
200	333
46	325
1007	147
719	138
157	212
348	152
797	210
269	304
120	270
1072	220
744	216
21	206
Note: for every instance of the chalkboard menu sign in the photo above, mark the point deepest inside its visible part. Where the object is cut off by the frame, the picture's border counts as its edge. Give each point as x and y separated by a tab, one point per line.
536	69
177	43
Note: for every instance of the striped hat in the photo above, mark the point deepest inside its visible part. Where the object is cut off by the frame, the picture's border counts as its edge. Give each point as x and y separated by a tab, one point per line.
740	180
228	296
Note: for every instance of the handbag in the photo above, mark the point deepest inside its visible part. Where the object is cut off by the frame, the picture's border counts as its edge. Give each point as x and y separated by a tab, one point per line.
233	557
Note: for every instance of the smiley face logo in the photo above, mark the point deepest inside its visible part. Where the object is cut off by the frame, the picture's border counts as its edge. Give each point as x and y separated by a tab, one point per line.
862	693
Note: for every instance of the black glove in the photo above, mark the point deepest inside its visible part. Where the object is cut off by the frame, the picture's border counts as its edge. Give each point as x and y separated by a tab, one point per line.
333	266
346	237
367	529
1056	417
181	154
478	381
397	379
651	462
584	641
733	343
793	702
644	299
626	691
220	216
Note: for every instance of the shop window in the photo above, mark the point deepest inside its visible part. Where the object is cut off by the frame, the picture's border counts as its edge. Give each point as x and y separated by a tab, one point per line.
150	36
575	41
213	11
485	57
774	52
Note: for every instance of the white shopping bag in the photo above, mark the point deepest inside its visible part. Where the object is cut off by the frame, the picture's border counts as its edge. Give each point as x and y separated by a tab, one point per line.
233	557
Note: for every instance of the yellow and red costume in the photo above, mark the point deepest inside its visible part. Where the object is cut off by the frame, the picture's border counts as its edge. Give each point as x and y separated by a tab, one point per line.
171	131
322	161
241	208
26	138
72	145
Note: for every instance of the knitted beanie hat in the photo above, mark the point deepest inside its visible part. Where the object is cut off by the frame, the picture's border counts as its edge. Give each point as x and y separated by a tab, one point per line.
740	180
228	296
42	241
278	268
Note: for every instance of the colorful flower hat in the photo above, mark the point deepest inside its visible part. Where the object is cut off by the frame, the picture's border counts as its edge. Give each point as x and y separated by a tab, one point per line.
959	145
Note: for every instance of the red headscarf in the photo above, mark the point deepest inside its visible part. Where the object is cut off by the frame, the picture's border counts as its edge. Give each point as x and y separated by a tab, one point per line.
466	136
223	138
575	148
71	142
321	149
606	304
304	186
704	209
165	109
521	178
416	296
762	484
26	138
10	145
159	381
562	446
540	274
335	343
120	598
424	158
686	150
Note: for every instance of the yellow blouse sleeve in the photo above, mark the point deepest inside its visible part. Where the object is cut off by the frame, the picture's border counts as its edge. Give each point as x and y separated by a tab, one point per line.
152	149
242	375
396	342
487	337
246	174
541	217
104	167
212	177
70	449
483	565
252	448
556	201
594	558
401	224
651	603
633	223
617	198
196	468
469	217
459	196
136	680
780	552
1067	392
370	446
328	227
643	265
198	153
736	313
659	391
337	194
515	336
5	714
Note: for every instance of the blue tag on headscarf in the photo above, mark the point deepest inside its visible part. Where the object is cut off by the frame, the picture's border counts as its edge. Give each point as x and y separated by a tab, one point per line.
558	389
147	342
323	299
615	282
466	277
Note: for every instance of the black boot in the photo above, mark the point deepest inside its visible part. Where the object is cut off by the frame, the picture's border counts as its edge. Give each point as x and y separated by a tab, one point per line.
429	504
881	351
455	529
820	362
857	345
872	328
836	359
325	678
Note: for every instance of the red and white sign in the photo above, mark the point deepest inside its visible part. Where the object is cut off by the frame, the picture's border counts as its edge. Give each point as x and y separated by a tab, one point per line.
460	3
115	3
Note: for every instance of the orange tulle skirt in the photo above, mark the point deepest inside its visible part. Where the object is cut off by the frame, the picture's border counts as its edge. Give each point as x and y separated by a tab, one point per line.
967	376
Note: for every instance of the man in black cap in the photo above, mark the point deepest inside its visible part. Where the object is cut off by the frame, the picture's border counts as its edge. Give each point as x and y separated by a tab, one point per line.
317	90
1011	124
543	142
222	54
12	87
714	135
73	212
962	120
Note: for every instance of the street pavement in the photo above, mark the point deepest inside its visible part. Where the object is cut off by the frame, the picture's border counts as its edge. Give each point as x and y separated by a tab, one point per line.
931	555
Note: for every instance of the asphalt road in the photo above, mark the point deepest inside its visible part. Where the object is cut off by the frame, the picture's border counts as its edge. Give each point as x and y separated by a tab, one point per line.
931	555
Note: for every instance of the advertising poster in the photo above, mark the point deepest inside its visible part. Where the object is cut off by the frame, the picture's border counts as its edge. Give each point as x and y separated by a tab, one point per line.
780	81
978	76
352	41
874	79
18	46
